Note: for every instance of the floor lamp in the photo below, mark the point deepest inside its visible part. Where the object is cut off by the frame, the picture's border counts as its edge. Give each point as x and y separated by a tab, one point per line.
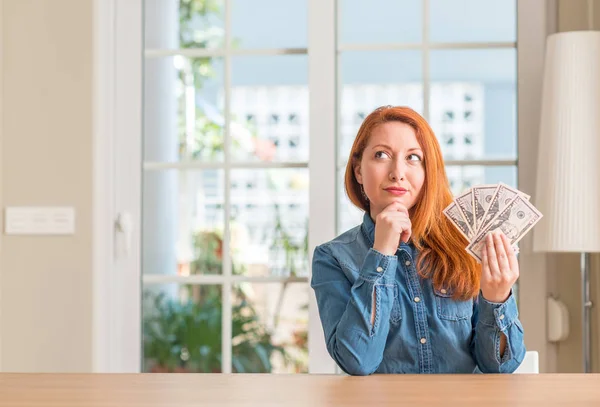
568	168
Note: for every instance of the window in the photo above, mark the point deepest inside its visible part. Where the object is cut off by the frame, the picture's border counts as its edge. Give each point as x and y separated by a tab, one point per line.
225	192
232	119
452	61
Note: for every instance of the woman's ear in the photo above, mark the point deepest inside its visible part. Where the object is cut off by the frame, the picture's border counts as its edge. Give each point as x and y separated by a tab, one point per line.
357	173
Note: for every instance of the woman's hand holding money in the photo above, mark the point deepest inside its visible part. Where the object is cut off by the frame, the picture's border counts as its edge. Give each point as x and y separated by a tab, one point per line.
499	267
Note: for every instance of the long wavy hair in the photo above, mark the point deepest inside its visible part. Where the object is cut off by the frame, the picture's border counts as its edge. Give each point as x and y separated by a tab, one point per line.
442	254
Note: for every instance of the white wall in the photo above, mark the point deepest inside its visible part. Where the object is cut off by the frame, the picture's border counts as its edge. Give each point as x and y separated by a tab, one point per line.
46	159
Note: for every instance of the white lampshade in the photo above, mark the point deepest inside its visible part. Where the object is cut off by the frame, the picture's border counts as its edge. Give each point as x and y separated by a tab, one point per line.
568	168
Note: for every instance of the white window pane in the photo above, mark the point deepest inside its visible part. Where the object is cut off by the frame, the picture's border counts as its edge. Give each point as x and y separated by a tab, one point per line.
473	20
380	21
183	109
462	178
371	79
473	103
269	107
182	328
270	328
183	222
269	23
269	222
348	215
171	24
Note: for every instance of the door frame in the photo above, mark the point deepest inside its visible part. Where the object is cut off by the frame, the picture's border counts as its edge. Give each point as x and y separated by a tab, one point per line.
117	115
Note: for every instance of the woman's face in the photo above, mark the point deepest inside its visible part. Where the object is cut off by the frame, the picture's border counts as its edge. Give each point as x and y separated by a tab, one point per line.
391	168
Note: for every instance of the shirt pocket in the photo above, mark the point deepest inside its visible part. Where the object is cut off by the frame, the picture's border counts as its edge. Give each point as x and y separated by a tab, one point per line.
396	314
450	309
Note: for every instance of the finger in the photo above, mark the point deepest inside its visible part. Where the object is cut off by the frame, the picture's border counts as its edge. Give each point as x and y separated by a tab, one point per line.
406	231
398	222
511	253
501	254
486	273
402	226
396	207
396	217
492	259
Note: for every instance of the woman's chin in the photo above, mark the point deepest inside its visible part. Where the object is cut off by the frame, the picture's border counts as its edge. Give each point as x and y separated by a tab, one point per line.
404	200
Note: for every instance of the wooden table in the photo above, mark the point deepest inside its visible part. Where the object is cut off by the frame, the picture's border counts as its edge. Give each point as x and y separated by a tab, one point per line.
175	390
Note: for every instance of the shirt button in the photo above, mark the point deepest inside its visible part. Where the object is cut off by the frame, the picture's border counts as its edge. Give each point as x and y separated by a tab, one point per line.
423	341
407	263
443	291
380	269
501	317
417	299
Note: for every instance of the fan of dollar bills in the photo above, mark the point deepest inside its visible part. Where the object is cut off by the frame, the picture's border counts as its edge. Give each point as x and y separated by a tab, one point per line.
485	208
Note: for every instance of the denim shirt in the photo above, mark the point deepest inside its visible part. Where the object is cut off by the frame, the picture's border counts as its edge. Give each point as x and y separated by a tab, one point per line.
417	329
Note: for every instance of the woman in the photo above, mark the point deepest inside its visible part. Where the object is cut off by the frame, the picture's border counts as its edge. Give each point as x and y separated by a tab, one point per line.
399	293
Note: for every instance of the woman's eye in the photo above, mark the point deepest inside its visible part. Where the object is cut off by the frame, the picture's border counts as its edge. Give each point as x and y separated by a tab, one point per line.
381	154
414	157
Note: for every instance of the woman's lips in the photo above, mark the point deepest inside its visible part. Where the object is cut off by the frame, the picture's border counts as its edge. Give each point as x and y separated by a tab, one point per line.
397	191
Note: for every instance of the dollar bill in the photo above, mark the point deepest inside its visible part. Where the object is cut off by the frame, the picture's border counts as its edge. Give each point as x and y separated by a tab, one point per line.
465	204
482	197
516	219
503	195
454	214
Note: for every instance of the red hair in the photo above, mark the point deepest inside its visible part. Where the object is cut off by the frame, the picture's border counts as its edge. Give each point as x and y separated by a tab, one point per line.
442	254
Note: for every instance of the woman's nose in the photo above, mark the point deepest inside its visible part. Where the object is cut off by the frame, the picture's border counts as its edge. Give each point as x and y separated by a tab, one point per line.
398	172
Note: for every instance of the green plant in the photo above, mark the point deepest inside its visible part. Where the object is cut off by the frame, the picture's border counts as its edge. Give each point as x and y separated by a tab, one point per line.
252	342
185	335
208	253
293	249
